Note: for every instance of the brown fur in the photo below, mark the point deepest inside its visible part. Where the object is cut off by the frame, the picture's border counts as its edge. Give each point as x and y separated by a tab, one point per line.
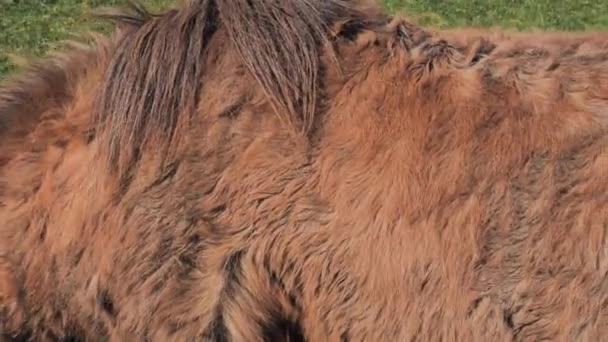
306	170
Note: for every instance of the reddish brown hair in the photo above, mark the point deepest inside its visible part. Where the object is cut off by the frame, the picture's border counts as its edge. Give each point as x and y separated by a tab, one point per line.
306	170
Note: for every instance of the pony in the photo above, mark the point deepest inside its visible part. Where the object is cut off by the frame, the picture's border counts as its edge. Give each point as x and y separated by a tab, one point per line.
306	170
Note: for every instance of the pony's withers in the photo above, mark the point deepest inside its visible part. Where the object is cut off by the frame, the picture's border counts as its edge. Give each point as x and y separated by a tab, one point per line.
306	170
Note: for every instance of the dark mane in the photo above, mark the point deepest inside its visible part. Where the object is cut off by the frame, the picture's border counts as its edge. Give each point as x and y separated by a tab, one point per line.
155	72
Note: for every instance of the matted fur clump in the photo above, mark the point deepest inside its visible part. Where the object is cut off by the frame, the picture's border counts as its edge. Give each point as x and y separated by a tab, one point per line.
306	170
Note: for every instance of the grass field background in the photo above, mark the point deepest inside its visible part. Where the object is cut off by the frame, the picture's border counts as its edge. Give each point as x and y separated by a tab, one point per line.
31	27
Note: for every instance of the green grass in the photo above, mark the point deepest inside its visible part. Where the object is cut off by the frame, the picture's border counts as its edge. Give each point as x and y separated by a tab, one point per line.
569	15
30	27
